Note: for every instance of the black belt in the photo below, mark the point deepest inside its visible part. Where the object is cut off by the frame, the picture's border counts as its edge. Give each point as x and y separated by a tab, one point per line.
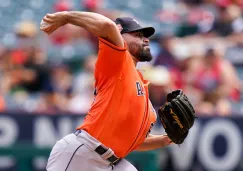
101	150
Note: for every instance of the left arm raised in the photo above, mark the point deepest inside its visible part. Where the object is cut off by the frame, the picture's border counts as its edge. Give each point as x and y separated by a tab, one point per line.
153	142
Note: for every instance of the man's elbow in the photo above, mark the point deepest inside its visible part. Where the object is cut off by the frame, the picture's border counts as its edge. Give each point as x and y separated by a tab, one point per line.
109	27
109	24
112	34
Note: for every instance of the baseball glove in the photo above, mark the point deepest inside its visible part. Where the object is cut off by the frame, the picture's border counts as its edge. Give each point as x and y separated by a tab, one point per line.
177	116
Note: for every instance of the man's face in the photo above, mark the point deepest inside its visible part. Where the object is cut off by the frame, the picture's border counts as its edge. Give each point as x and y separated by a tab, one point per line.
138	46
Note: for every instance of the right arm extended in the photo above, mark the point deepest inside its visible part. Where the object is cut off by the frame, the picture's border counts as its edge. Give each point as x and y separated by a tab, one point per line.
96	24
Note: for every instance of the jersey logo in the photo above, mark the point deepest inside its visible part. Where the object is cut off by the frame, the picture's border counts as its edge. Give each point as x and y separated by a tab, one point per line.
135	21
139	89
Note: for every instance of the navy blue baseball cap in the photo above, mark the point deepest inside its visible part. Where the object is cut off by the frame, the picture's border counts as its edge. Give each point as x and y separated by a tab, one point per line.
130	25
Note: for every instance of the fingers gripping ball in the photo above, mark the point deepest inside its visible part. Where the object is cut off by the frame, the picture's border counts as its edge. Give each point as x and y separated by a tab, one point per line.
43	24
177	116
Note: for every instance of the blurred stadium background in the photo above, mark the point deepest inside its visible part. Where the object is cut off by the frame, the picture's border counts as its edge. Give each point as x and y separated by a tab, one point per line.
46	82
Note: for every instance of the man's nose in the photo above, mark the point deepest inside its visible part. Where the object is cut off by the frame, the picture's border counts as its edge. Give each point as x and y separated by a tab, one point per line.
146	40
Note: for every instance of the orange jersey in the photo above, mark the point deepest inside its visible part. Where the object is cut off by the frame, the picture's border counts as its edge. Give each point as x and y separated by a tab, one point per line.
121	115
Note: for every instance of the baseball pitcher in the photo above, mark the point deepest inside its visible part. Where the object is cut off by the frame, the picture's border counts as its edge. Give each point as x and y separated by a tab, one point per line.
121	115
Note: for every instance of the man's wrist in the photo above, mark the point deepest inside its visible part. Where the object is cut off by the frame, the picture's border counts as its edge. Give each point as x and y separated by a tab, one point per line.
66	16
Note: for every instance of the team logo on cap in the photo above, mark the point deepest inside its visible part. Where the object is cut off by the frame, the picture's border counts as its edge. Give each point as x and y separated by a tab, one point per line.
135	21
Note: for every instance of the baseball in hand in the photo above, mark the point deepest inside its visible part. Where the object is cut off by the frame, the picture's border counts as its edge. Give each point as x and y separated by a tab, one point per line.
44	24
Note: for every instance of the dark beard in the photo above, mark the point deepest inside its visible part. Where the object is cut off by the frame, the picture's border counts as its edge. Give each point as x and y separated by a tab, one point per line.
138	51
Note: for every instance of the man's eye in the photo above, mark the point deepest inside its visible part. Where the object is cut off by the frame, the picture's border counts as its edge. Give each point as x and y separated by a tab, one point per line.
139	34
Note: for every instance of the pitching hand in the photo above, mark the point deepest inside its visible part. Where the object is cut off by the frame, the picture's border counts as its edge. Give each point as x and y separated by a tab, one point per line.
51	22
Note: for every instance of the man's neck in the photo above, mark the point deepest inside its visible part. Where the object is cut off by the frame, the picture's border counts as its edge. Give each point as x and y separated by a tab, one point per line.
135	61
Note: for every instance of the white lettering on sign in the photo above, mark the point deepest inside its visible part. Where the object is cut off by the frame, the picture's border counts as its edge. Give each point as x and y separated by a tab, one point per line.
187	150
46	134
65	126
200	142
8	131
232	156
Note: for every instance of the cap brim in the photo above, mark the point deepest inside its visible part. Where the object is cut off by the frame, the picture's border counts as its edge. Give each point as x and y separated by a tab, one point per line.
147	31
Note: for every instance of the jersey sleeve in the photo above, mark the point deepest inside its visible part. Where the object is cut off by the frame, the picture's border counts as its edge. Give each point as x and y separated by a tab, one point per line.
110	58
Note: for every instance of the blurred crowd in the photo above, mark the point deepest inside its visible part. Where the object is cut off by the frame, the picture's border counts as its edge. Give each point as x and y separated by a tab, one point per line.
54	74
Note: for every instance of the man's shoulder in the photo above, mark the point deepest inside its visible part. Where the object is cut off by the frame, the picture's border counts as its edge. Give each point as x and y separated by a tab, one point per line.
105	44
